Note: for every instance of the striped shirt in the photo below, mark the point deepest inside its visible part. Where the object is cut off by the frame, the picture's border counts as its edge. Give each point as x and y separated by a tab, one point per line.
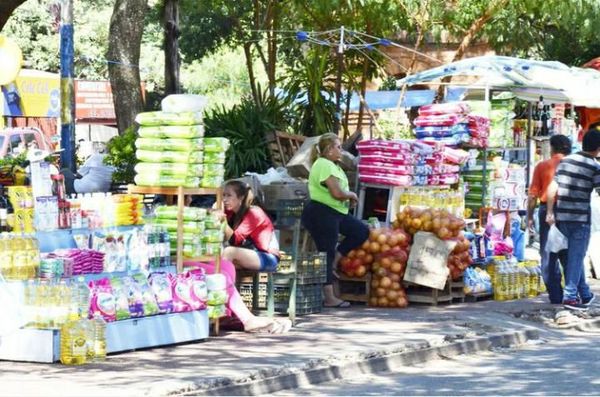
576	175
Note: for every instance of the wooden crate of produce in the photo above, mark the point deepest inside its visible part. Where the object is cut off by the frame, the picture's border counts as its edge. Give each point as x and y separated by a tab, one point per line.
352	289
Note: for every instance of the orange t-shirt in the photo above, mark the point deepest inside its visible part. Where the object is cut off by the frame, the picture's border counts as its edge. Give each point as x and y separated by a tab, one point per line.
543	175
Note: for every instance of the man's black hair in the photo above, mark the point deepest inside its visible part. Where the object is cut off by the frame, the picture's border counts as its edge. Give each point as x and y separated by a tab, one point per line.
560	144
591	139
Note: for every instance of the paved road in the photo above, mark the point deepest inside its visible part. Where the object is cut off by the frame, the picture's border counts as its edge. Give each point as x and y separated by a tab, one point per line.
563	364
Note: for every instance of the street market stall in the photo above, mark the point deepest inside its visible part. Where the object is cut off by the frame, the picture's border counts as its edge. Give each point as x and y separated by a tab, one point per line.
93	273
495	190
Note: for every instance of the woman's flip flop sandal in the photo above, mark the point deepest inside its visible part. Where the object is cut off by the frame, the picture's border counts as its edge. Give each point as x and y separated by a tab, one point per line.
282	326
341	305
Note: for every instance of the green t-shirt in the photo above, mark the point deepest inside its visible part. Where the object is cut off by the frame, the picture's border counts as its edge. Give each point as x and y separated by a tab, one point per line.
320	171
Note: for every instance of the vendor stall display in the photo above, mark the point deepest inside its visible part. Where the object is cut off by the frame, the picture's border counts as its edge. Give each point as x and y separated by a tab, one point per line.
406	163
451	124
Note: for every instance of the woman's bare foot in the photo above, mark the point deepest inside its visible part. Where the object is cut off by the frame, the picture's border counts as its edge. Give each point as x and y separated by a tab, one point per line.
259	324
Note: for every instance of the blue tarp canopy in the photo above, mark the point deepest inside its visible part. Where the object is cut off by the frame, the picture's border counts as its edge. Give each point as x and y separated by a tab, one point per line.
527	79
378	100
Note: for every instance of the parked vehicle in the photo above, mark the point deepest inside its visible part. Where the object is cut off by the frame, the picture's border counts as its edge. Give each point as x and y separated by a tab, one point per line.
14	141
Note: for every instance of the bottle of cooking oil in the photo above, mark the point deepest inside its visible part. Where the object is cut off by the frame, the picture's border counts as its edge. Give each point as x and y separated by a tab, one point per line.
533	282
6	262
33	255
524	280
73	341
501	285
19	256
99	341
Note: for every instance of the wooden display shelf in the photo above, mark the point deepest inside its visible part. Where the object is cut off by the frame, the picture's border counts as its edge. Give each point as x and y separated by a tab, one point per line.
181	192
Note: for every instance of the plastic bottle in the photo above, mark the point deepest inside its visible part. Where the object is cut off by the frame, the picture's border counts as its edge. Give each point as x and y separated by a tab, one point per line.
6	262
73	341
533	282
166	248
19	258
42	299
33	256
29	303
81	298
501	286
99	340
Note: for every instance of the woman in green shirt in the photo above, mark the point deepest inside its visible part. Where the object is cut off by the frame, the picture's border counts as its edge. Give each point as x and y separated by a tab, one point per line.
326	215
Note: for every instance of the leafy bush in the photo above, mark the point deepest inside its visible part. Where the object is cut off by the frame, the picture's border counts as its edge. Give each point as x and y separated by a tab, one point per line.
311	91
121	155
246	125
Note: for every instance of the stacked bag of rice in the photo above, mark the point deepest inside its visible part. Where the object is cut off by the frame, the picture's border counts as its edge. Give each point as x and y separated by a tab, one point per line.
451	124
171	146
203	231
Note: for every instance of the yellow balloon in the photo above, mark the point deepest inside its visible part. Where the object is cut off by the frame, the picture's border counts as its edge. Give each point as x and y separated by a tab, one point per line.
11	59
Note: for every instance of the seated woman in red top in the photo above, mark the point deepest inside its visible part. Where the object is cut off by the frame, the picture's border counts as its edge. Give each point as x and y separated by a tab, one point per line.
251	235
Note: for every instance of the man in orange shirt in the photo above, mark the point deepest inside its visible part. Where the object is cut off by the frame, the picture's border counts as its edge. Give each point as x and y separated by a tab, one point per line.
543	175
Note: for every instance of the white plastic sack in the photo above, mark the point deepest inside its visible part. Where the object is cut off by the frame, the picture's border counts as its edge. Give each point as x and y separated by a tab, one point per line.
595	204
556	240
177	103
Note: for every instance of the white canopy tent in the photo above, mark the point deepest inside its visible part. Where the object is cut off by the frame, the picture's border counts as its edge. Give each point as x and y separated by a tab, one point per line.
527	79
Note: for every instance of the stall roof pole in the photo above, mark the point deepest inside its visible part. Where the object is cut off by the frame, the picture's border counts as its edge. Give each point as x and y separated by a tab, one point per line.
338	84
67	90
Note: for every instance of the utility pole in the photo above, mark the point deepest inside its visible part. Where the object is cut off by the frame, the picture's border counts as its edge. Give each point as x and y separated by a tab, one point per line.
338	84
67	88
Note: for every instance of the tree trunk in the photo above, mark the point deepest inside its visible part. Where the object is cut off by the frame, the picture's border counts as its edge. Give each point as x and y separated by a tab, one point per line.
251	78
125	37
6	9
172	61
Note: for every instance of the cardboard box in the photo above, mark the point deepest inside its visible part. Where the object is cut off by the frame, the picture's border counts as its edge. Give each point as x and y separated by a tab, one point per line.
299	165
427	261
283	191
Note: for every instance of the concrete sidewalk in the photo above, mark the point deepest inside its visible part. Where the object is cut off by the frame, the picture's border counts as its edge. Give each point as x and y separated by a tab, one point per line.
332	344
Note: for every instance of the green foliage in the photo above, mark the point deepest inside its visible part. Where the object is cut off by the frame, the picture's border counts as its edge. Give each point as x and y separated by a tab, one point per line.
220	76
310	90
246	125
121	155
33	26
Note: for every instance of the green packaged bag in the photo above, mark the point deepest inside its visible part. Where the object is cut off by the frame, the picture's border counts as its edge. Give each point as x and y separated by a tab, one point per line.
216	144
189	213
166	181
191	227
212	236
172	131
174	169
166	156
213	170
173	144
211	182
164	118
214	157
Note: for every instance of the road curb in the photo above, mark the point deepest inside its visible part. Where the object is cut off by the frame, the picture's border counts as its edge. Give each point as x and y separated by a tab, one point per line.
373	362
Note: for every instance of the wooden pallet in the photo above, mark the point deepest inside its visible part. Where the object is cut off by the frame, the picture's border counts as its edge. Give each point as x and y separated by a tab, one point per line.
457	289
351	288
430	296
481	296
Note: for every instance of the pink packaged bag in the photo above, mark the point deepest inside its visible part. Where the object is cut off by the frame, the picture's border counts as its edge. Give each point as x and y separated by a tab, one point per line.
379	144
456	156
199	289
379	168
440	120
444	108
102	299
181	285
389	158
393	180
